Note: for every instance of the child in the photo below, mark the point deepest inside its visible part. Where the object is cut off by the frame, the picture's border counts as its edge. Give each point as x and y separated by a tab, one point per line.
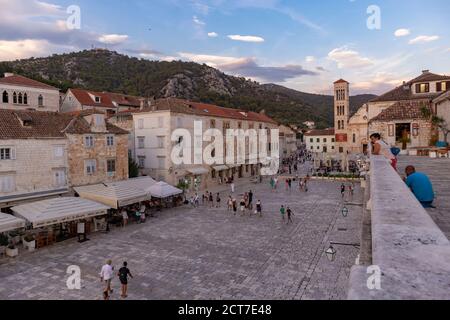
283	212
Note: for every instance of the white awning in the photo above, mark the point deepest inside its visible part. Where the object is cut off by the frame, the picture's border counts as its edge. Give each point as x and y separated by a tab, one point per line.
143	183
59	210
114	196
9	223
163	190
220	168
198	171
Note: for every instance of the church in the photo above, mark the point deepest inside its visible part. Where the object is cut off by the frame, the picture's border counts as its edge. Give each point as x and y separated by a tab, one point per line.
401	116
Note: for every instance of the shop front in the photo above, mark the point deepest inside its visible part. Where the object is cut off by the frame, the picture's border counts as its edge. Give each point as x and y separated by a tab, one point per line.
58	219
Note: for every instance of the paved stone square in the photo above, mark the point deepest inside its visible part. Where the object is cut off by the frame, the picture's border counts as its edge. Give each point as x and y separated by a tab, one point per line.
187	253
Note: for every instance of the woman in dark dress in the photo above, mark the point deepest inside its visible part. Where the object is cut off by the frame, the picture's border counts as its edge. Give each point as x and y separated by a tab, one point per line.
123	274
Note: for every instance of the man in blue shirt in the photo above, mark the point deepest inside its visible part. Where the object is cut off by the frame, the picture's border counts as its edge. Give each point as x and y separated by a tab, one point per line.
421	186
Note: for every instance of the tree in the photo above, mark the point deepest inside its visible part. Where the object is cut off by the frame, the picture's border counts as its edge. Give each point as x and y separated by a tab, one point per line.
133	168
442	126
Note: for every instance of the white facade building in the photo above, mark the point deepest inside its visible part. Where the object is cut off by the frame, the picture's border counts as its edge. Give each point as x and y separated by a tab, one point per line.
320	141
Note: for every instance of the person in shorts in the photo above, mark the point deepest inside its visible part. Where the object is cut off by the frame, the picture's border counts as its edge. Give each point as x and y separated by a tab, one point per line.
123	274
106	276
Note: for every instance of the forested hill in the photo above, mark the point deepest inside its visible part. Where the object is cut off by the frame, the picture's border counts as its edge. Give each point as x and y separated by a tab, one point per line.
103	70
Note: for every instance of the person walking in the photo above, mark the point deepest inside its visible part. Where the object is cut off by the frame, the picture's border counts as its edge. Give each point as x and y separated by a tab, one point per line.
272	184
211	200
343	191
230	203
259	208
106	275
124	217
196	200
250	200
242	206
234	206
123	274
283	212
289	215
218	200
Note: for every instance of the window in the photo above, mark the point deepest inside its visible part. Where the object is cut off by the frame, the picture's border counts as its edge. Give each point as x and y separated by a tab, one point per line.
161	163
7	154
318	140
111	166
7	184
333	140
442	86
20	99
354	138
25	99
59	178
141	142
141	124
239	125
98	99
213	124
422	88
160	122
40	101
89	141
141	162
110	141
58	151
311	140
90	167
312	148
318	147
14	97
5	97
160	142
325	140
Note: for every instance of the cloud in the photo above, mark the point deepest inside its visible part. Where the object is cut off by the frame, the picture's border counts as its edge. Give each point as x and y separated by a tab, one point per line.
423	39
347	58
254	39
22	49
212	34
113	39
248	67
197	21
402	33
310	59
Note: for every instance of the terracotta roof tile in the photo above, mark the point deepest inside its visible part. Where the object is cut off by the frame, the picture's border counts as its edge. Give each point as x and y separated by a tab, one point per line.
84	97
204	109
41	124
18	80
341	81
401	111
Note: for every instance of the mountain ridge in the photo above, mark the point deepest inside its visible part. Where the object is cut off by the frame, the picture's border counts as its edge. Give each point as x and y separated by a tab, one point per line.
103	70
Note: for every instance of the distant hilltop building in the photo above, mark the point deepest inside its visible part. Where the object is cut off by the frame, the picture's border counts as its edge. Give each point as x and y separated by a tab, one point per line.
397	115
310	124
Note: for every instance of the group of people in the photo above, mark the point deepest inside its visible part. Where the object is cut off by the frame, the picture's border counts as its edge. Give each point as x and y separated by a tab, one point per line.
419	183
350	190
107	275
302	183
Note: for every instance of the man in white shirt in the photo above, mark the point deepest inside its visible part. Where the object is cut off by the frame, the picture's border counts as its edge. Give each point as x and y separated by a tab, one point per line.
106	276
382	148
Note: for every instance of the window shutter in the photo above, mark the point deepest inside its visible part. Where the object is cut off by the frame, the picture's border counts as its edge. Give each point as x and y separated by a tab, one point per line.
418	88
13	153
447	86
439	86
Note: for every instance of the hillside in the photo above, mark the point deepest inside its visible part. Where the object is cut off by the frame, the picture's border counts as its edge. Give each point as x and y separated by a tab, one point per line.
103	70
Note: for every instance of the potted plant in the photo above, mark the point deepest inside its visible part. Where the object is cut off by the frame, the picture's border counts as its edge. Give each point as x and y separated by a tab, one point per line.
12	251
29	242
3	243
15	237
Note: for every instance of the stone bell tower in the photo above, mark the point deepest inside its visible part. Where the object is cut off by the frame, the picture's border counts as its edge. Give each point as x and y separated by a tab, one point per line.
341	114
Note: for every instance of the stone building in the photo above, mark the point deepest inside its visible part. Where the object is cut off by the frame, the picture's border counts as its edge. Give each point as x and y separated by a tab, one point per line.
97	150
21	93
288	141
320	141
442	109
43	154
153	129
111	103
341	114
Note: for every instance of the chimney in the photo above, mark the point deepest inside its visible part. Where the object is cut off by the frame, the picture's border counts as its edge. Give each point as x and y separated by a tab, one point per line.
8	74
425	71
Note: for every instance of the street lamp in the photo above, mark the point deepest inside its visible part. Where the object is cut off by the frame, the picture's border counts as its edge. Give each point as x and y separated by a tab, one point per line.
344	212
331	253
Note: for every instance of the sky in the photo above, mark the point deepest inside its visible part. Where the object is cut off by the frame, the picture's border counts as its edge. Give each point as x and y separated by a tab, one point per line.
301	44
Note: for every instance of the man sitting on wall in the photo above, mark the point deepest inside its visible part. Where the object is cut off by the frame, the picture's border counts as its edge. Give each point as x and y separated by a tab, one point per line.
421	186
382	148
